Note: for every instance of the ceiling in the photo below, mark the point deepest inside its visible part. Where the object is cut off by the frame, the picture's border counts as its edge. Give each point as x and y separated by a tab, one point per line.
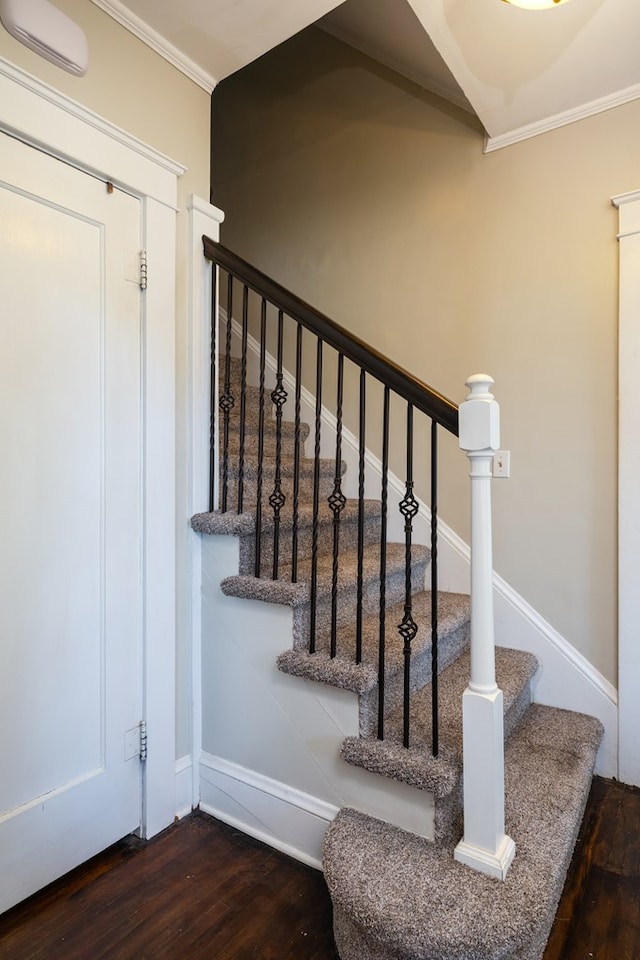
521	72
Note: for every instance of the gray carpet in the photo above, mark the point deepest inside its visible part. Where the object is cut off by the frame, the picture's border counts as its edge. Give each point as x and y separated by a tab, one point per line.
397	896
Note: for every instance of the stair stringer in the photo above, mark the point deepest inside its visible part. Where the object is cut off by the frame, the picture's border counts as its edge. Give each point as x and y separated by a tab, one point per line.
566	679
270	761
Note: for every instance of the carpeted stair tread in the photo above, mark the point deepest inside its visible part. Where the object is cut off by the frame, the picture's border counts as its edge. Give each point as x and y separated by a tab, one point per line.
284	592
341	671
229	523
397	896
515	669
416	765
244	524
245	529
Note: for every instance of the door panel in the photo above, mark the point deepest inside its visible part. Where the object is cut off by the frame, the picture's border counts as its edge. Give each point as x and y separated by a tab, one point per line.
70	490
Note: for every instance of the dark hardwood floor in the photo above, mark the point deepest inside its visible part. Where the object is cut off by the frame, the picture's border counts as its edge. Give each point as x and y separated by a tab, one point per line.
599	913
203	890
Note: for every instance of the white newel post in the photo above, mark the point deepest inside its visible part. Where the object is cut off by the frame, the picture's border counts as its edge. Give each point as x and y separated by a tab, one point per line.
484	846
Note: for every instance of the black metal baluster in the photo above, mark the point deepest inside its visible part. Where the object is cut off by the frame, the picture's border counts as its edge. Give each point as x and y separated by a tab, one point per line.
226	400
337	501
263	341
296	458
277	498
316	502
434	588
408	507
383	561
213	395
361	450
243	395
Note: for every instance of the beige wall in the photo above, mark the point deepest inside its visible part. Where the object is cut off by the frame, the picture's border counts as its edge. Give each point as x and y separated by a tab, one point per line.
374	201
131	86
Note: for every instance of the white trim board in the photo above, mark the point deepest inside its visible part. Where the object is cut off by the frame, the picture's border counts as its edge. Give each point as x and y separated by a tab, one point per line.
83	138
628	498
567	679
184	793
41	116
204	218
285	818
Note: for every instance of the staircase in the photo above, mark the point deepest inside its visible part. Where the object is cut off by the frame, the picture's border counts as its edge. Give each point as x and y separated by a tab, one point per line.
397	895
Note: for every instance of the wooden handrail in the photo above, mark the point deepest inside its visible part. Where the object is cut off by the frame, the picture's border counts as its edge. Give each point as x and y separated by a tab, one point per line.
410	388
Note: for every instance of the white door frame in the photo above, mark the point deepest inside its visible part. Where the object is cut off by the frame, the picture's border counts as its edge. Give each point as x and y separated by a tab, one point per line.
41	116
629	488
204	219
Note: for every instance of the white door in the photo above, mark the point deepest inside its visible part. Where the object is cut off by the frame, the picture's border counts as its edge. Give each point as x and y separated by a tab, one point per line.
70	518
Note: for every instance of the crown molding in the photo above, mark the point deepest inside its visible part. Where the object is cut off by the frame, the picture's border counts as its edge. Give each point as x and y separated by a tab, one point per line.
157	42
562	119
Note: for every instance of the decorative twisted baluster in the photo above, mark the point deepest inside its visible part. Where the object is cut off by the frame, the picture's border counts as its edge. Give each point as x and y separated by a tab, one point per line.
277	499
226	400
408	628
337	501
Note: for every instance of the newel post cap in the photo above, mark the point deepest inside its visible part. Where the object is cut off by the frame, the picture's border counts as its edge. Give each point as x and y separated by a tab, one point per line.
479	416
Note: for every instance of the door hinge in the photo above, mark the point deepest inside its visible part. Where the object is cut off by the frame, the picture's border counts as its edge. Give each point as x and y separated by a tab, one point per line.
143	269
143	740
135	742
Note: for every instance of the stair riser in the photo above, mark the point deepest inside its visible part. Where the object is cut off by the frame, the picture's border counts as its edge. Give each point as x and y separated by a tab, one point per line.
348	541
347	604
252	407
250	491
288	446
420	676
252	422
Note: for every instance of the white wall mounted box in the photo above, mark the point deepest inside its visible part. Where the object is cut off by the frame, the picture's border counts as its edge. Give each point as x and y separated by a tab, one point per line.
48	31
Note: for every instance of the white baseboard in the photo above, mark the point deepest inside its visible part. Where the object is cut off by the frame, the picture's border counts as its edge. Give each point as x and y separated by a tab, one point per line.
279	815
184	787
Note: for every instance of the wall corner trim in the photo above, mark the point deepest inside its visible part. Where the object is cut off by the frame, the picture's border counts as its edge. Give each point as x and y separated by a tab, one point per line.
185	801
